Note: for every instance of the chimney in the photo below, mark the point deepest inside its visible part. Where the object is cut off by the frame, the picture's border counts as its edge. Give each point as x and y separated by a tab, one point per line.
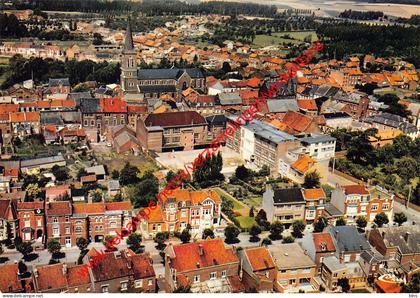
406	235
64	269
200	250
383	234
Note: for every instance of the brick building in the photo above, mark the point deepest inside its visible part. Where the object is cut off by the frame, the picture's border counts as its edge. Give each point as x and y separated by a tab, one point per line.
58	222
206	266
31	221
315	204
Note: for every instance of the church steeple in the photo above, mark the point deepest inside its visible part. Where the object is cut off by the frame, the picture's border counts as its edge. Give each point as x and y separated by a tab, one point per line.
129	63
128	40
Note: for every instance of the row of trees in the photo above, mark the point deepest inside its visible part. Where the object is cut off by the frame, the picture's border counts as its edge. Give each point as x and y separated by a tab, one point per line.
361	15
41	70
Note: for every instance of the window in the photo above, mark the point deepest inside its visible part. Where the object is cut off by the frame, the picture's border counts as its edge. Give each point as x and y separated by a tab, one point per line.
92	122
78	230
67	230
137	283
105	289
176	130
293	271
113	224
196	278
124	286
184	213
374	207
292	281
56	231
224	273
85	123
27	223
306	270
67	219
55	219
385	207
39	222
150	281
213	275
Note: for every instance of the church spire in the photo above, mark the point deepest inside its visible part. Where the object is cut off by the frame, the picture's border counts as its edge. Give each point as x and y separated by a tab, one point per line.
128	40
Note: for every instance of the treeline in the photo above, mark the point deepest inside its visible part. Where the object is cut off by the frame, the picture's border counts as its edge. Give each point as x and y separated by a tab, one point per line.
342	39
11	27
151	7
139	23
361	15
413	20
41	70
414	2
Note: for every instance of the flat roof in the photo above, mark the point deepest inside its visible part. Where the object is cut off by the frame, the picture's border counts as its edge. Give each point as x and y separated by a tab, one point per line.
268	132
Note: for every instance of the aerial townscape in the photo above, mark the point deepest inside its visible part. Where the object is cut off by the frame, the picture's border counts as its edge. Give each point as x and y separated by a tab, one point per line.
168	146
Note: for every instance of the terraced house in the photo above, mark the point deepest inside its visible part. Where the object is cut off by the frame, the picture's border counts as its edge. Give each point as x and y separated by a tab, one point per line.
199	209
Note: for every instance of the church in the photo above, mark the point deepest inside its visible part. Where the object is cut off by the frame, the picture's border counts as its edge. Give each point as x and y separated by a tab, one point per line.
153	83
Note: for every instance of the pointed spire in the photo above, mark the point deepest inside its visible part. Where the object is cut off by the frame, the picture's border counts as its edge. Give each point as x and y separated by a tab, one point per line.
128	41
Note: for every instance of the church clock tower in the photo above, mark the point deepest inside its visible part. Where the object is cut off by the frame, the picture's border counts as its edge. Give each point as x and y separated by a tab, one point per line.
128	64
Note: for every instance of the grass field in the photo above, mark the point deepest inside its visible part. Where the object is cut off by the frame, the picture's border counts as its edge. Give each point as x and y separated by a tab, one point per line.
237	206
277	39
254	201
246	222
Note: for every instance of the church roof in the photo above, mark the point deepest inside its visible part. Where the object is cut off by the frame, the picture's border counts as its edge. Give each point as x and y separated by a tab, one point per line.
128	40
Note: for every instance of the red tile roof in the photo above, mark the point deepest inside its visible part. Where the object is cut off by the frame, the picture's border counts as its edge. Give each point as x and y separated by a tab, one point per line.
323	240
55	191
8	209
137	109
30	205
113	105
50	277
75	279
173	119
259	258
24	117
307	104
88	178
314	194
58	208
7	108
113	206
296	121
12	172
89	208
9	282
388	287
214	253
355	189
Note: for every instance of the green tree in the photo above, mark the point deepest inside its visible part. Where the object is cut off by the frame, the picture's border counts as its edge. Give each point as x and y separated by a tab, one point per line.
96	195
60	173
32	191
231	234
265	171
251	212
320	224
185	236
413	286
254	231
115	175
242	173
82	172
381	219
400	218
134	242
344	284
144	191
25	248
129	175
53	247
160	239
361	222
340	222
298	227
312	180
288	239
266	241
82	243
208	233
276	228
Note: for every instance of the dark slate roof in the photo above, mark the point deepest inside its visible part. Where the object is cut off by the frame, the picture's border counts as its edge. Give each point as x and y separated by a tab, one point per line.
76	192
157	89
79	95
89	105
58	82
174	119
216	120
128	40
336	115
288	195
348	239
406	238
51	119
394	121
171	73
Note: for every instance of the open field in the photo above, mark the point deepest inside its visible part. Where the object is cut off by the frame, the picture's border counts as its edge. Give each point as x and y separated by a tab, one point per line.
278	38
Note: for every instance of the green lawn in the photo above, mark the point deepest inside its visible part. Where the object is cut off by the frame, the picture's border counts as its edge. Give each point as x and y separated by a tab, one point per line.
276	38
254	201
236	204
246	222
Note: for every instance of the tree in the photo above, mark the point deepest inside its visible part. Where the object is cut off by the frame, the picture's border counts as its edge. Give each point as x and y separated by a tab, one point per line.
134	242
266	241
160	239
340	222
344	284
400	218
320	224
251	212
254	231
115	174
231	234
25	248
1	249
288	239
32	191
413	286
22	268
96	195
261	215
182	289
82	243
298	227
242	173
265	171
361	222
276	228
312	180
208	233
53	247
144	191
185	236
60	173
82	172
129	175
226	67
381	219
209	173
